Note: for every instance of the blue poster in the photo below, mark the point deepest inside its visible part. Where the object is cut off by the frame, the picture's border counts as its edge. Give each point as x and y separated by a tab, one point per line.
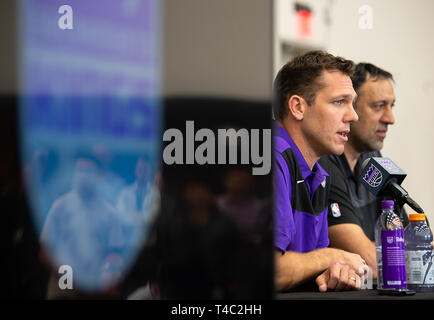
90	131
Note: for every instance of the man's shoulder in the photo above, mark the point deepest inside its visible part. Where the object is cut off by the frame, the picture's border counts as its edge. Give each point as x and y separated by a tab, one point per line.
366	155
280	145
282	168
287	161
282	148
337	166
327	160
332	164
281	139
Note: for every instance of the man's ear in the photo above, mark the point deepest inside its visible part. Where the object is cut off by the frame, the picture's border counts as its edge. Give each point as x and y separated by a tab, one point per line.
297	106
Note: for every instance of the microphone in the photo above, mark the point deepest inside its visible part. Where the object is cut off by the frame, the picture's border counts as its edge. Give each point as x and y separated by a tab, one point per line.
382	176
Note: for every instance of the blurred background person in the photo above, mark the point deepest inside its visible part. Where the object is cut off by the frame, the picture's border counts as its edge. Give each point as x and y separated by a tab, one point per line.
240	204
111	183
83	230
142	197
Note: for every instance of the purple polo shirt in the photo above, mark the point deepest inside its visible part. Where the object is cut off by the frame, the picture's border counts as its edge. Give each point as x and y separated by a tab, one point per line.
298	229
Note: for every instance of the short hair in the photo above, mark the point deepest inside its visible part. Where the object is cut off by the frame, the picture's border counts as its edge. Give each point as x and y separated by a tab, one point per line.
364	69
301	76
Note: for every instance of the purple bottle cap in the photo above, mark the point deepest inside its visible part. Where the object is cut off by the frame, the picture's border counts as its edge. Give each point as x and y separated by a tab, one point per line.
387	204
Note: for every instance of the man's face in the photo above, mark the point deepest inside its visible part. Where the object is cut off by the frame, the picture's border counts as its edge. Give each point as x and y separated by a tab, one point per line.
327	120
374	107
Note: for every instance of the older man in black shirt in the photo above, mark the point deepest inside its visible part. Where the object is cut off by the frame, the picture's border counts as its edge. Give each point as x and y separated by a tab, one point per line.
352	209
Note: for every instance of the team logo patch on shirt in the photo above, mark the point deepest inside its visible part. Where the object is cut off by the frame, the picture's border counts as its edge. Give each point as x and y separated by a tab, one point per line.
323	183
335	210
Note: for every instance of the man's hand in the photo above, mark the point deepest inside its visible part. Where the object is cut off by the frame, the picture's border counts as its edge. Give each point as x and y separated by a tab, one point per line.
338	277
353	260
351	238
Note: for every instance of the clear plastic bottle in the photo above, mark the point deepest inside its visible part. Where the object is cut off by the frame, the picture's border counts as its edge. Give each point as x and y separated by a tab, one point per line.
389	242
419	254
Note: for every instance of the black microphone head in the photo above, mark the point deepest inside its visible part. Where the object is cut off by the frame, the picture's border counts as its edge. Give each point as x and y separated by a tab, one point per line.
377	172
365	163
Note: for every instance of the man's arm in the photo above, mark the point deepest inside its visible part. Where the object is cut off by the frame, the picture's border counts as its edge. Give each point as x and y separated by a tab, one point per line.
293	268
350	237
344	226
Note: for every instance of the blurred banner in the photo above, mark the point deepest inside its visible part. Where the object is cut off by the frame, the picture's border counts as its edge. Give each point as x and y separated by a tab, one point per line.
90	130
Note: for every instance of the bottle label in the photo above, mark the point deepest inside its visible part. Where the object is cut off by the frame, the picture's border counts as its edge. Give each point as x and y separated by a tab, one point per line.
419	267
393	253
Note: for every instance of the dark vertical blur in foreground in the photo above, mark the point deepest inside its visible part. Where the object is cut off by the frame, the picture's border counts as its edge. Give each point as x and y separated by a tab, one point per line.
82	179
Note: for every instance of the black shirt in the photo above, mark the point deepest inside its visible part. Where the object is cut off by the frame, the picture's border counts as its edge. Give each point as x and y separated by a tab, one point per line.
349	200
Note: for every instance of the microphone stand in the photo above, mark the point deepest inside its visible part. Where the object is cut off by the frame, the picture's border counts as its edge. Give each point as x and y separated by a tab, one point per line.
401	197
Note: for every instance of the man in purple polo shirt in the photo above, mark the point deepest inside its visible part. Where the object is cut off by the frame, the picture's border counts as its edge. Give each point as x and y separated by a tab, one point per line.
314	96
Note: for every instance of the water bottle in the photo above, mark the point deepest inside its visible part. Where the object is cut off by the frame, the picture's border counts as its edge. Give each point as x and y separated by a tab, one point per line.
389	242
419	254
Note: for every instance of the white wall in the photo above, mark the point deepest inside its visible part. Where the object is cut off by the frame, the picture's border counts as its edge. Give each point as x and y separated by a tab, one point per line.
401	42
217	47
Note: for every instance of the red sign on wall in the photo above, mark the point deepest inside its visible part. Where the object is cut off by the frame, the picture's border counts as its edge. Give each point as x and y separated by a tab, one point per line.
304	22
